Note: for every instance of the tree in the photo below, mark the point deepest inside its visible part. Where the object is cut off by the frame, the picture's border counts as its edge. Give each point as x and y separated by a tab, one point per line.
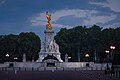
30	45
17	45
87	41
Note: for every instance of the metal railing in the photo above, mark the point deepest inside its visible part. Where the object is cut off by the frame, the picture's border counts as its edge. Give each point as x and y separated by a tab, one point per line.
115	72
50	68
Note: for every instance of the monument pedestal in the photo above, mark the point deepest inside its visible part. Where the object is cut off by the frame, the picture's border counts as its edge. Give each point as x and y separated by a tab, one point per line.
49	47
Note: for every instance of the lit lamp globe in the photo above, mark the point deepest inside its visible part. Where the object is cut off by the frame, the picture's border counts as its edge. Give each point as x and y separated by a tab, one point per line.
112	47
87	55
107	51
15	58
69	57
7	55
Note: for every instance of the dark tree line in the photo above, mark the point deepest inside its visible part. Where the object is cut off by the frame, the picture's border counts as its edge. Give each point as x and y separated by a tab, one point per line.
78	40
16	45
82	40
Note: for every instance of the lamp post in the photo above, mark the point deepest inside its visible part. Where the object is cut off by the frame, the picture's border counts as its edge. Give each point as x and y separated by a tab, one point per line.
111	55
112	49
87	56
7	56
106	51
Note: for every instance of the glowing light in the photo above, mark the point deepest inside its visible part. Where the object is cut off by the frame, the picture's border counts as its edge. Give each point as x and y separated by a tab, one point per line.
107	51
112	47
7	55
87	55
15	58
69	57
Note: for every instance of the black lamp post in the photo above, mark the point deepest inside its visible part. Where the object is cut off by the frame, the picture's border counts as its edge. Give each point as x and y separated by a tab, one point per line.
111	55
112	49
87	57
7	56
107	52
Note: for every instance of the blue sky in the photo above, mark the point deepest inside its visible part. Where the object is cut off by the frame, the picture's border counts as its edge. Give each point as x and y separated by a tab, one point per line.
18	16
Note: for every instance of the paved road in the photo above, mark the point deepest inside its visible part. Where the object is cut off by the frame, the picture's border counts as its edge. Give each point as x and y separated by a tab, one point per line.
56	75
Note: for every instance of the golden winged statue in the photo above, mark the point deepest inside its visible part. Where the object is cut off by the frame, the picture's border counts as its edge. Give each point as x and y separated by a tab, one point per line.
48	26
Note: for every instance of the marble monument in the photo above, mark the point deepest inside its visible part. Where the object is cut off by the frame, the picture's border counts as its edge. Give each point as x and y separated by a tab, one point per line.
49	46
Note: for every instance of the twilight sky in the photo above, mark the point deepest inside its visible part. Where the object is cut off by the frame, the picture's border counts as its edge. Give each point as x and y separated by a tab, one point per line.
18	16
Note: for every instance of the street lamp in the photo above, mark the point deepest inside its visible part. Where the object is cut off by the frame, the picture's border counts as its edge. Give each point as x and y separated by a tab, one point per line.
87	58
112	49
7	57
106	51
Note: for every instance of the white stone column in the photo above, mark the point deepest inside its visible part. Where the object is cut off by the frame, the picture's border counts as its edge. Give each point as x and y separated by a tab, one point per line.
66	57
24	57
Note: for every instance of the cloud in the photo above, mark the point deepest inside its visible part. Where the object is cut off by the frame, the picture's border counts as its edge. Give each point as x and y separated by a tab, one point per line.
99	19
2	2
84	17
77	13
114	25
114	5
40	20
